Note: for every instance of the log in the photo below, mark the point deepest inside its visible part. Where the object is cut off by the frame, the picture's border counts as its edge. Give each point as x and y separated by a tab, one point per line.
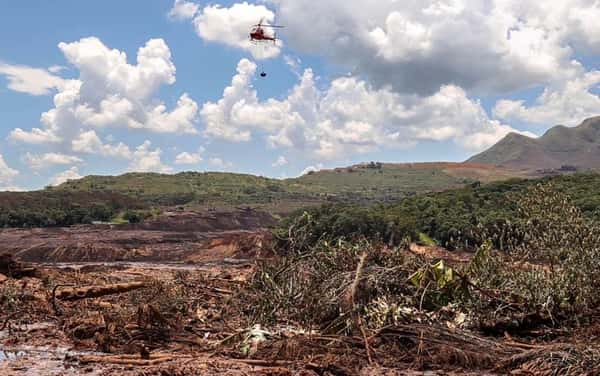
16	269
131	360
72	294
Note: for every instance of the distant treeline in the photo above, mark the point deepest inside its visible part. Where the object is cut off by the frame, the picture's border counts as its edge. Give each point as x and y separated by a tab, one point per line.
61	208
455	218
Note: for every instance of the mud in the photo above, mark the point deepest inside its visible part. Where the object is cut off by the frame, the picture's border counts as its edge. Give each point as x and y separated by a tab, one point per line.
204	339
192	318
174	236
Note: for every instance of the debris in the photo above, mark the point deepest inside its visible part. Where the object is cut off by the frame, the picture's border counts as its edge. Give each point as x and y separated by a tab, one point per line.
16	269
255	336
79	293
131	360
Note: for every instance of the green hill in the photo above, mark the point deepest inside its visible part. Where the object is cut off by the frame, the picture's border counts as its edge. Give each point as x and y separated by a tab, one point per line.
457	218
360	183
135	195
559	148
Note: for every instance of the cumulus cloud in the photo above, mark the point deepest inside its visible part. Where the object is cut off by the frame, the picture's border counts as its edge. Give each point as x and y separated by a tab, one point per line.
110	92
309	169
36	136
219	163
280	162
42	161
347	117
231	26
566	103
34	81
183	10
420	46
89	143
187	158
145	159
7	175
63	177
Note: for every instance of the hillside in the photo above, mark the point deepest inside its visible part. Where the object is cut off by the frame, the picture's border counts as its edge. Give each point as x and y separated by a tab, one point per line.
455	218
365	182
560	147
135	195
391	181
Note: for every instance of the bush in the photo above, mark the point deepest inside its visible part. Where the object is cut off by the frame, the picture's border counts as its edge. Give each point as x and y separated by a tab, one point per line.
307	228
133	216
328	271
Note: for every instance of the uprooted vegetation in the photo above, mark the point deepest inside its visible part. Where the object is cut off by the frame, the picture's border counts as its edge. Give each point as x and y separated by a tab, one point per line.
334	300
435	313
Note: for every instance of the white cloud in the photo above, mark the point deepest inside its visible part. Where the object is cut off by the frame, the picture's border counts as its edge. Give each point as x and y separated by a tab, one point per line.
280	162
186	158
56	69
35	136
183	10
231	26
566	103
7	175
308	169
146	160
32	81
89	143
347	117
420	46
110	92
39	162
63	177
219	163
180	120
294	63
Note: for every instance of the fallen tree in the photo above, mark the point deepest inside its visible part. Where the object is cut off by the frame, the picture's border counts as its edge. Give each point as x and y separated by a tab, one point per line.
78	293
11	267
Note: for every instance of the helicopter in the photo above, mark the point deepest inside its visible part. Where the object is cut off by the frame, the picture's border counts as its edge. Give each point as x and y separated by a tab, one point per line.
258	36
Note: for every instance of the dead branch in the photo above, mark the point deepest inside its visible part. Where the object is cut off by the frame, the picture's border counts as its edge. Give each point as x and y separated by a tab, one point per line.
8	318
79	293
16	269
131	360
359	323
54	306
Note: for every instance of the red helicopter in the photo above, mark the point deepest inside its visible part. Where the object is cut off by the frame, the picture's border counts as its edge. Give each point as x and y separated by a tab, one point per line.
258	35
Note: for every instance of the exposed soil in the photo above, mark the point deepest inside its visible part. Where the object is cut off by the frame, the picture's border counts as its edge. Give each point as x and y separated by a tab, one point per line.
167	298
110	335
174	236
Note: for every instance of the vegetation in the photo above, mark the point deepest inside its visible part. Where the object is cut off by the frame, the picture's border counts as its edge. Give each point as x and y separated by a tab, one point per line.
61	208
103	198
446	202
460	218
372	182
545	280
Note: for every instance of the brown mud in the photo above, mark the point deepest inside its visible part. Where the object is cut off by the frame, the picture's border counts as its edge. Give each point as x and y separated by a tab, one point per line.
174	236
168	301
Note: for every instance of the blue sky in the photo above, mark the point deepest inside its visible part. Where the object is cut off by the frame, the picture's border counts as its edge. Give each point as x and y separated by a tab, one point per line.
350	81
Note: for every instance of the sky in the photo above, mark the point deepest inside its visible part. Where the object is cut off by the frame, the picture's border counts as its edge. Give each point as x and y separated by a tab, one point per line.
109	87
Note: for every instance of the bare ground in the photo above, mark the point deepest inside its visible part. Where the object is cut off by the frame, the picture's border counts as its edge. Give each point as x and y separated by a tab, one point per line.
189	316
174	236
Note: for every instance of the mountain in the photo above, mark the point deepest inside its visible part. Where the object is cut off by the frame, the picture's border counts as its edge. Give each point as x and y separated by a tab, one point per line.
559	148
